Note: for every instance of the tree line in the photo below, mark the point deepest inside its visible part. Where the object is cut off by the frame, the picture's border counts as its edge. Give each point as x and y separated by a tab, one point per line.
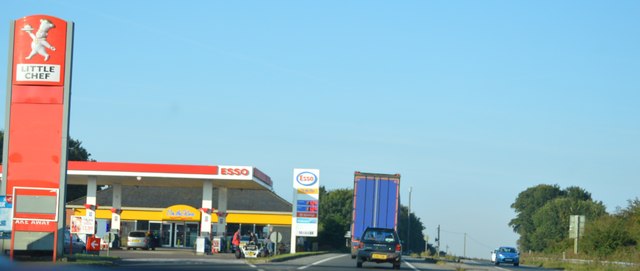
542	221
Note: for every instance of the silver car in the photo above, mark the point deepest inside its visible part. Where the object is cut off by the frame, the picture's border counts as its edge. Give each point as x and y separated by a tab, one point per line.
139	239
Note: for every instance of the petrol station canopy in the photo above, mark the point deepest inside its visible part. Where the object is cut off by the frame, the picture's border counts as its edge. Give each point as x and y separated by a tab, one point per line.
167	175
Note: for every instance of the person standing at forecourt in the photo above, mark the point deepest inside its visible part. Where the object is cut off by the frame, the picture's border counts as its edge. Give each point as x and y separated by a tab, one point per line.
236	240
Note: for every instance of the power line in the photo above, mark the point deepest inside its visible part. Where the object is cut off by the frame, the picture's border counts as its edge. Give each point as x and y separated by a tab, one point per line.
478	242
453	232
468	236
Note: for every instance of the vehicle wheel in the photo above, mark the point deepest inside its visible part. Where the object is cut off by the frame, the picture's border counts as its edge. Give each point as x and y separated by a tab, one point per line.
128	248
396	266
353	256
153	248
516	264
359	263
496	263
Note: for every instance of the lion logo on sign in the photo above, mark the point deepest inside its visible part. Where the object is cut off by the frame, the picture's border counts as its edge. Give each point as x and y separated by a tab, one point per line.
40	43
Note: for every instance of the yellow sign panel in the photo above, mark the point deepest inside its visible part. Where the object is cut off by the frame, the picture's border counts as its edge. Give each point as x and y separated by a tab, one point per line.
181	212
153	215
309	191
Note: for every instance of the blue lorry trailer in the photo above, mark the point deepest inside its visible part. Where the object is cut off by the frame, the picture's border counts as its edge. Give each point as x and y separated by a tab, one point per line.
376	200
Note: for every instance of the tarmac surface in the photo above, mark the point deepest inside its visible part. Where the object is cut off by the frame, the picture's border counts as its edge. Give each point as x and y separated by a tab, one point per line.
161	252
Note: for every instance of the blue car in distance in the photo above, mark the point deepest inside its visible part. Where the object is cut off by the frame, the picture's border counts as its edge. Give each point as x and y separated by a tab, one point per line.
505	255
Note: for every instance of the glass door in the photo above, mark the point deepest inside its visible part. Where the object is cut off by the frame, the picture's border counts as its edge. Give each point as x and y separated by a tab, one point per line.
166	234
155	228
180	235
192	234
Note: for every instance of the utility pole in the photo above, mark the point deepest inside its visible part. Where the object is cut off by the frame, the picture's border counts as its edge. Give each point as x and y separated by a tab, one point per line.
409	219
438	241
465	245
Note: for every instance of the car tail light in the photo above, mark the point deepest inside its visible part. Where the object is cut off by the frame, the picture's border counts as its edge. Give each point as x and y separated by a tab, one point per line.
360	245
398	248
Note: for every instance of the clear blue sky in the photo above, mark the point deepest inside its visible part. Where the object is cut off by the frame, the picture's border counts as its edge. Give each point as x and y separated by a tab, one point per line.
471	101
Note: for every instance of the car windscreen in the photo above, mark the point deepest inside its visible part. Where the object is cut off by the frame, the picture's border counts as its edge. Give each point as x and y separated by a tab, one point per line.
137	234
508	250
382	236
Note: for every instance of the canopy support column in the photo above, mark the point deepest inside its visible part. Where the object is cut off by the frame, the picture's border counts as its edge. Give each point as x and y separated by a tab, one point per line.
116	208
90	204
207	198
222	209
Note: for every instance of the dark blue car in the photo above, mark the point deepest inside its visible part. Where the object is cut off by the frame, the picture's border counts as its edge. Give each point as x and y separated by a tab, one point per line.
505	255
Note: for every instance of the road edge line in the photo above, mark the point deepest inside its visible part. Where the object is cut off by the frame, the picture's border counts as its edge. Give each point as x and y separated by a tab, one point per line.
321	261
410	265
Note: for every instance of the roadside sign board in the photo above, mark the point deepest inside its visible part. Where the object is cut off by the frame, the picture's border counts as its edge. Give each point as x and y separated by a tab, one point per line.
576	226
306	185
93	243
35	209
82	225
6	210
32	203
36	129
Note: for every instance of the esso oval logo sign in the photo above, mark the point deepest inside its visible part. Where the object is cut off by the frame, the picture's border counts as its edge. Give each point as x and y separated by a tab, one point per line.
234	171
306	178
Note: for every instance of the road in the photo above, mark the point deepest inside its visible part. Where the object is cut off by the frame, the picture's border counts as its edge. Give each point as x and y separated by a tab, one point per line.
171	259
324	262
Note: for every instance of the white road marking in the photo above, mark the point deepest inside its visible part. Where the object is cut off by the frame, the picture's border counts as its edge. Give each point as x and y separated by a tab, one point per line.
321	261
410	265
252	266
500	268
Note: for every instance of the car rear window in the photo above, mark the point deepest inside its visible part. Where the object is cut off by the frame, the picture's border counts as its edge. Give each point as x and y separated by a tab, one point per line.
379	236
508	249
137	234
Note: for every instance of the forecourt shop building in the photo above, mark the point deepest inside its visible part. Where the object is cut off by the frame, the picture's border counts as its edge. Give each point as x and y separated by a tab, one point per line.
177	203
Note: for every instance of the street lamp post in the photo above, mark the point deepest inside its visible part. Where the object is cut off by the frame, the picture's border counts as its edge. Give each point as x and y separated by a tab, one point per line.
409	219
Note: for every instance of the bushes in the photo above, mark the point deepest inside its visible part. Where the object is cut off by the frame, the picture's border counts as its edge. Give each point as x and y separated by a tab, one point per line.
606	235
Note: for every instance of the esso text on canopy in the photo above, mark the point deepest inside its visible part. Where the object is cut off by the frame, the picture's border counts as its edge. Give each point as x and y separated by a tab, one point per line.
306	178
231	171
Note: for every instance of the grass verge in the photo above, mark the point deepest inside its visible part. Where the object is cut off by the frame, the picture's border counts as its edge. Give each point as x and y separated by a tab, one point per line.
593	266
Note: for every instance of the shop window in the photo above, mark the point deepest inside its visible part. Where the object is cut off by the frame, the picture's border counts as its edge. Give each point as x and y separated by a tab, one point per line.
259	231
125	228
232	228
142	225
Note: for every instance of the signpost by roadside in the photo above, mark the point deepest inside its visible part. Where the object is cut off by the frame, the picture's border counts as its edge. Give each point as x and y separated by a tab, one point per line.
6	218
93	244
306	191
576	229
275	238
36	131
